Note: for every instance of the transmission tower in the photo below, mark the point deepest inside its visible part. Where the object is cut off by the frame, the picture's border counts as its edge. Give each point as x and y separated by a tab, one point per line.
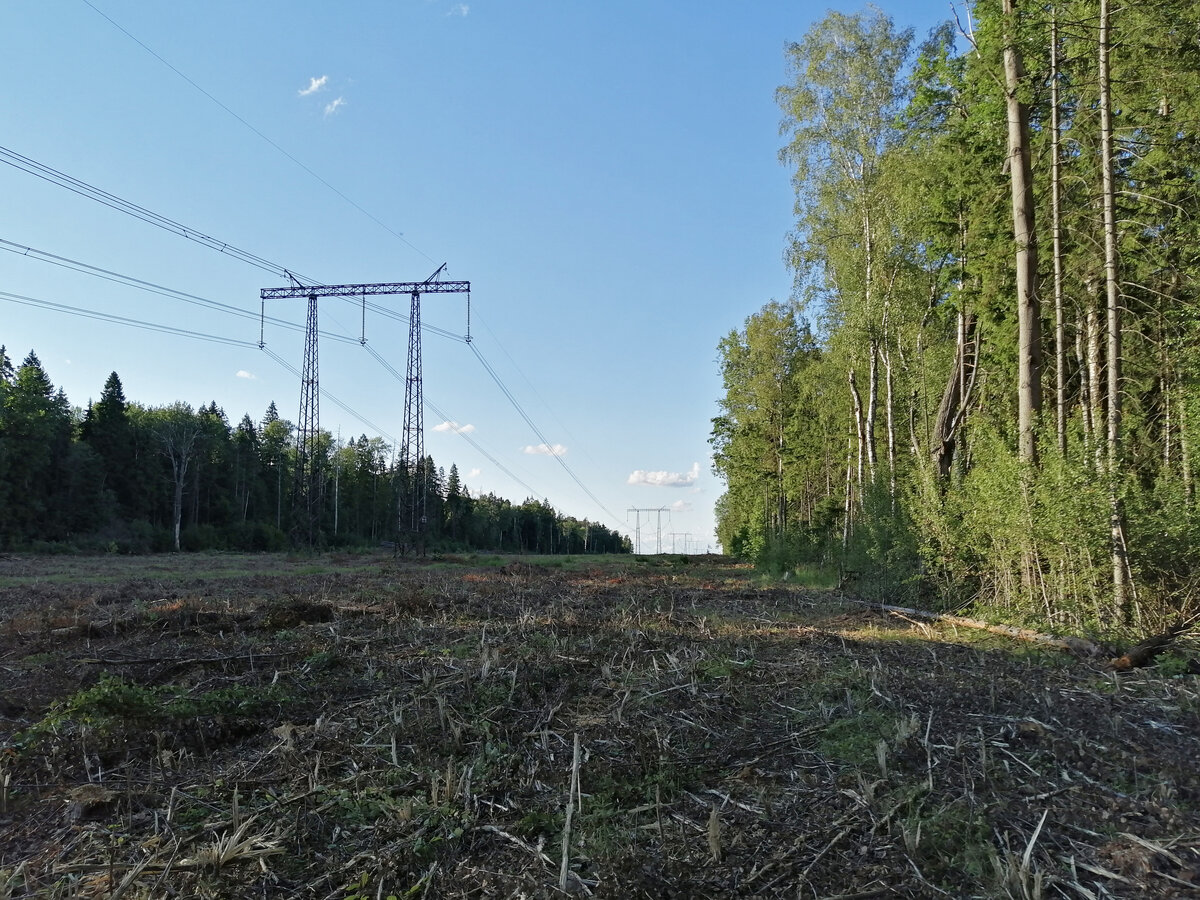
411	521
658	532
687	537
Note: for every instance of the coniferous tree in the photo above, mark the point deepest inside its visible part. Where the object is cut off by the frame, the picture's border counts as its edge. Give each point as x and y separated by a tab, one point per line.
107	430
36	433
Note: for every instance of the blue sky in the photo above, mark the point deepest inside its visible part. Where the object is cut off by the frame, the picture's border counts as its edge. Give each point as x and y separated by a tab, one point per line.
605	174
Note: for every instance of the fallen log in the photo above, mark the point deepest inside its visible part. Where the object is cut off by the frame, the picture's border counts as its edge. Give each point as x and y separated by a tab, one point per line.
1077	645
1140	655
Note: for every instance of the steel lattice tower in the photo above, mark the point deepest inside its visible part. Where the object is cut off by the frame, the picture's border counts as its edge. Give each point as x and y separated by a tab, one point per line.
412	519
306	498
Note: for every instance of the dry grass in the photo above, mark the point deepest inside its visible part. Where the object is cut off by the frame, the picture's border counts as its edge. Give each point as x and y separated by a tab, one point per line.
360	728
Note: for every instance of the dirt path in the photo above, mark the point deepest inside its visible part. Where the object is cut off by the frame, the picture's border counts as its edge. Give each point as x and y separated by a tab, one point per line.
352	727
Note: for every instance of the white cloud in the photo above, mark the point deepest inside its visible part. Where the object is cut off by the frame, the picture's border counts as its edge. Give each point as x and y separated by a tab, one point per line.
332	107
681	506
242	373
475	473
314	85
546	450
459	9
455	427
665	479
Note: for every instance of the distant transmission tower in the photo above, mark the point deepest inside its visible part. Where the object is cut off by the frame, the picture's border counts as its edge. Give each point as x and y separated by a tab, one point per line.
659	510
687	538
411	519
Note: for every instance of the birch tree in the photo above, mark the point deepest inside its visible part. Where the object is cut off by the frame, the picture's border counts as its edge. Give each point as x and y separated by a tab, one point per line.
1020	169
178	429
841	116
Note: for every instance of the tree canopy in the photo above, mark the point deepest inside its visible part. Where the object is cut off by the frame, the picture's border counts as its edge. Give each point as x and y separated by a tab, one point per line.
985	385
121	476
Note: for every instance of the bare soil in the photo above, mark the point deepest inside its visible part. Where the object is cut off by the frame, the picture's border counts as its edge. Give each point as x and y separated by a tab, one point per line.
358	727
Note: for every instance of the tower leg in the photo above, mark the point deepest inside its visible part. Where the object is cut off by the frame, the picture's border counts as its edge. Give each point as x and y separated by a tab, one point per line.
413	477
306	495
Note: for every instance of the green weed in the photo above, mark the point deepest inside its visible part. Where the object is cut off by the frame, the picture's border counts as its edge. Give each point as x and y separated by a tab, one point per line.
853	740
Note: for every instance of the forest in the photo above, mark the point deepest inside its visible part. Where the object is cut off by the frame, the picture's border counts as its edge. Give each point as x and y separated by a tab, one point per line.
126	478
983	389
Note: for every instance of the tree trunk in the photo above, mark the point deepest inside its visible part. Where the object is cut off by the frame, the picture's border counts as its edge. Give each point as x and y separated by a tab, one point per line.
1060	343
913	407
1113	302
1094	372
179	470
1029	362
1168	408
860	426
891	424
872	408
781	495
849	506
178	514
1085	389
952	409
1185	459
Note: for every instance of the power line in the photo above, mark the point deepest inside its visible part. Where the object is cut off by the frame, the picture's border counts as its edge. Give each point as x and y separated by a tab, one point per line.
183	332
441	415
51	175
530	384
121	320
537	431
399	236
150	287
275	357
162	290
433	329
112	201
328	396
400	317
412	451
659	510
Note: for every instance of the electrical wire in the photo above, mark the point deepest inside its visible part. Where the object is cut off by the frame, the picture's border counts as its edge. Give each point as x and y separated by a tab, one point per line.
400	317
82	188
162	290
122	320
188	333
531	385
112	201
330	397
428	404
152	288
174	293
396	234
51	175
537	431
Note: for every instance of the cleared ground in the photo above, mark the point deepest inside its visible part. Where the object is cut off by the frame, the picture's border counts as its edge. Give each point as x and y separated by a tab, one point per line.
359	727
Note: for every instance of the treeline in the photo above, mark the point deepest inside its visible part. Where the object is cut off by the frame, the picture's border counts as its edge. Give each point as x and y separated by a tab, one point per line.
985	385
124	477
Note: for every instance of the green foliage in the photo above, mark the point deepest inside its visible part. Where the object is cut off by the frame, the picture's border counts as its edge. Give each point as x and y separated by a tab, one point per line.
114	704
851	741
830	446
884	551
125	478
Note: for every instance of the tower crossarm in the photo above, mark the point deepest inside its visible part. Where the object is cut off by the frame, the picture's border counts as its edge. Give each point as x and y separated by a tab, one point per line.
367	290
